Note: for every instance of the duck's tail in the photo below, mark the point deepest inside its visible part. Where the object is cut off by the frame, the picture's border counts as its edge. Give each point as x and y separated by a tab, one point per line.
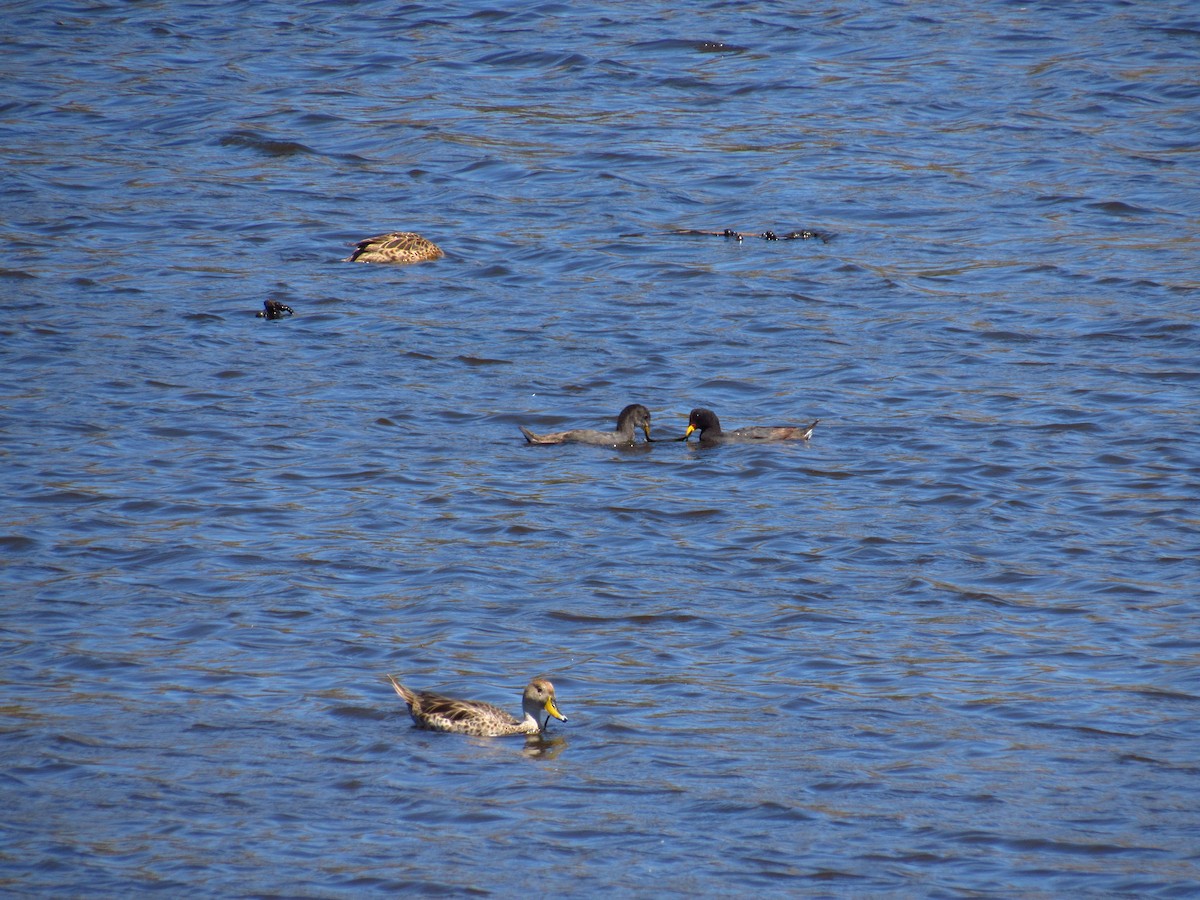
405	694
555	438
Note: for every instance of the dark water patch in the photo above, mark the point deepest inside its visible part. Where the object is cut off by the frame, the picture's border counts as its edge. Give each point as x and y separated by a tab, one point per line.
688	46
18	543
267	146
569	62
1119	208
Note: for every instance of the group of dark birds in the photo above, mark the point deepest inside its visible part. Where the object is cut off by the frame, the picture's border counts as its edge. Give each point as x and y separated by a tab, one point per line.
702	421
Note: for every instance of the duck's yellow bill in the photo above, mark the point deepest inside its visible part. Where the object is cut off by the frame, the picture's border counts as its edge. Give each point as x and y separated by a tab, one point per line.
687	434
553	710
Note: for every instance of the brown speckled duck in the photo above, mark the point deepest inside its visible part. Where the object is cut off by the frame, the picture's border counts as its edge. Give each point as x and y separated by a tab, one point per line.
400	247
437	713
706	422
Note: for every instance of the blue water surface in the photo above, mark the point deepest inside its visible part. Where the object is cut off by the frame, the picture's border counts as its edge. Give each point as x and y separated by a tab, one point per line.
949	647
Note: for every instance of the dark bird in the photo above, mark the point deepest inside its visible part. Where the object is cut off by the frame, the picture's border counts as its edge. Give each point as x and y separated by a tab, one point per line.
706	422
273	309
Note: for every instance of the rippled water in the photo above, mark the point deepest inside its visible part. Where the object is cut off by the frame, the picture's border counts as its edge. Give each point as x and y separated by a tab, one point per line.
948	647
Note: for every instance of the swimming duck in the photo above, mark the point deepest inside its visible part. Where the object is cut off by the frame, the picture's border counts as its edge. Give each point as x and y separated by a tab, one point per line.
706	422
437	713
631	416
396	247
273	309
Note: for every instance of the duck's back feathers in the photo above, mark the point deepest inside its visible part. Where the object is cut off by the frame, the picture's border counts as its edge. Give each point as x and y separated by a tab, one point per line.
396	247
774	432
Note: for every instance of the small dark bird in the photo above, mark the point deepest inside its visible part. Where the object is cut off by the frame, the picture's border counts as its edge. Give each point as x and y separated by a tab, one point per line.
273	309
